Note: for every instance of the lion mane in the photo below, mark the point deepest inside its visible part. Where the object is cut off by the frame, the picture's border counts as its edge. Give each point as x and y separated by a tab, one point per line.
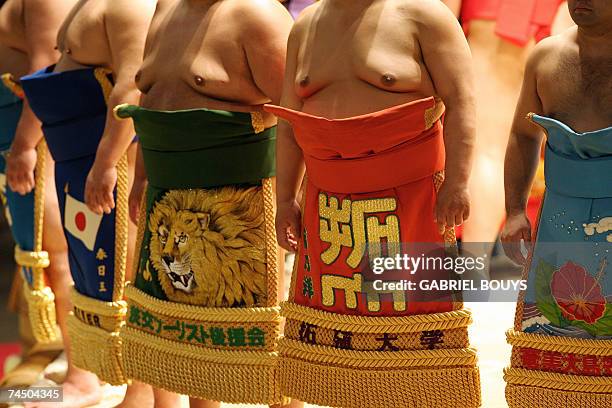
218	237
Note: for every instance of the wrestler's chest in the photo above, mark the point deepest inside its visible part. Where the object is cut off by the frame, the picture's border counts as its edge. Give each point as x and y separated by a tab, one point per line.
12	30
385	61
83	35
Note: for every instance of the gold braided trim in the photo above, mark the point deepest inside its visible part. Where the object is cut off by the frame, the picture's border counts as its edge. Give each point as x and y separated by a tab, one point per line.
12	85
190	312
101	75
31	259
556	381
96	350
433	114
559	343
41	311
520	396
365	324
271	246
40	298
376	359
257	122
442	387
108	316
229	376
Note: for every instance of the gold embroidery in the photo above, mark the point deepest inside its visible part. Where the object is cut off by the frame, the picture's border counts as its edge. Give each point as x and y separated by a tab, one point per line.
257	122
350	286
334	227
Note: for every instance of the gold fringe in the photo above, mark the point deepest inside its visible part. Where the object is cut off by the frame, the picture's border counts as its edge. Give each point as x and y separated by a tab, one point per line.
257	122
327	385
190	312
228	376
41	311
365	324
559	343
10	83
519	396
40	298
96	350
558	382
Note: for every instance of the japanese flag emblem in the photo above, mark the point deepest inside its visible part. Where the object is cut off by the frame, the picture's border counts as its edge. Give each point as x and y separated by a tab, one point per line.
82	223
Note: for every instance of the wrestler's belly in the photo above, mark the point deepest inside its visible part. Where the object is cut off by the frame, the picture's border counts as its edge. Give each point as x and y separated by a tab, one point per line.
176	95
355	97
66	63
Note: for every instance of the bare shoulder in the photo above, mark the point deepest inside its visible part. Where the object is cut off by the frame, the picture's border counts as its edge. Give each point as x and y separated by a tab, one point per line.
429	13
129	11
259	13
550	49
303	22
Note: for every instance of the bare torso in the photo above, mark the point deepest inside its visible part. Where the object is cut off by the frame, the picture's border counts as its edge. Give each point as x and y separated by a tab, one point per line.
574	87
195	58
13	50
349	65
82	39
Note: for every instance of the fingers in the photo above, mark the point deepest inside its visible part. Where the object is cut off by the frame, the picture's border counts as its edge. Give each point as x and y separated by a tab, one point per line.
512	246
99	200
21	183
134	211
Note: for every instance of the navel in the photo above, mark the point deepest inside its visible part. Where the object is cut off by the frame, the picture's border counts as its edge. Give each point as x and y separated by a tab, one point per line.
388	80
304	81
199	81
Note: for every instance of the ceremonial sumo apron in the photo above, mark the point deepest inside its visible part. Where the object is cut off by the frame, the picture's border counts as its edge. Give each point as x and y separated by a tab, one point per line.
203	316
25	219
371	179
72	108
562	339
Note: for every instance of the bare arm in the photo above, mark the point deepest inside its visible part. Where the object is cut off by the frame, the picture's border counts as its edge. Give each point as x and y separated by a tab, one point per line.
289	158
448	60
42	20
127	23
522	157
265	44
454	6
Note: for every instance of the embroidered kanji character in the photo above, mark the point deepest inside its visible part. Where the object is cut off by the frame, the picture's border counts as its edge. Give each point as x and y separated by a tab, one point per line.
530	358
334	226
590	365
343	339
307	263
308	289
236	337
101	255
308	333
572	364
607	365
256	337
217	336
195	333
178	327
134	317
387	342
552	361
431	338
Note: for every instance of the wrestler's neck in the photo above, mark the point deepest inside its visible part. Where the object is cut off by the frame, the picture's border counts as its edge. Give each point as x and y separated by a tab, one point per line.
596	38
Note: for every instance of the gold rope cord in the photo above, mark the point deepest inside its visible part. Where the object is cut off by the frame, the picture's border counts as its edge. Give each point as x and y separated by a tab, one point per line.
271	245
40	298
10	83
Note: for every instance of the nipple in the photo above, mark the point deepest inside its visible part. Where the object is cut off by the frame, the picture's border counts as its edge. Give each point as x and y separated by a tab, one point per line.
304	81
388	80
199	81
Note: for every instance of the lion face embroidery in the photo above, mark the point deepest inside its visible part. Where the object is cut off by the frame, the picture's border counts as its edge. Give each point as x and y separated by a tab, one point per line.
208	246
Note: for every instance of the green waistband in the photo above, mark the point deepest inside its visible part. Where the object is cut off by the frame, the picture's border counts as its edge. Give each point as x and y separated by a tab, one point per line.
202	148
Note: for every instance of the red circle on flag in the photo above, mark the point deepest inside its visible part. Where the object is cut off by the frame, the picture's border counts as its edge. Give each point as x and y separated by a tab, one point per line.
80	220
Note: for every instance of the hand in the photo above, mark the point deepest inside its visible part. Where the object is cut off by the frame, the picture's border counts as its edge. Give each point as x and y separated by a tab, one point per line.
138	189
452	206
20	166
99	188
517	228
288	225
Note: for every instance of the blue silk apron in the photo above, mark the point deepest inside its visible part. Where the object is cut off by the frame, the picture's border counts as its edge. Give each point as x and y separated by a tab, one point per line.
562	339
21	213
72	108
